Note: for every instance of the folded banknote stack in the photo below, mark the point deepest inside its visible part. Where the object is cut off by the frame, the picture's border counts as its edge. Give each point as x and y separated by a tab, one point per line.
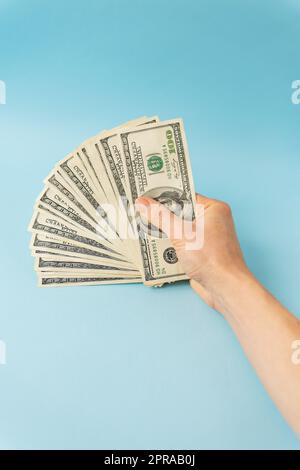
85	229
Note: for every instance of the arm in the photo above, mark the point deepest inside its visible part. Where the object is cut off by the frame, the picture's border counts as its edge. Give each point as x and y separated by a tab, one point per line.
218	273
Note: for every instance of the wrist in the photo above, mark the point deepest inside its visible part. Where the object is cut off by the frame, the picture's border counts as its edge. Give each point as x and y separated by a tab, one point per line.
231	291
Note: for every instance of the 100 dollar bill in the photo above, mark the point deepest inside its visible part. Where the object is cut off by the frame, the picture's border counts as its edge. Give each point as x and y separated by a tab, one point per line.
157	165
52	280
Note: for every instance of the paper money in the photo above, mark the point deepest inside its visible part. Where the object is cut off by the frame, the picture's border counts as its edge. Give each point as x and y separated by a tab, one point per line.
54	281
53	263
84	227
157	165
48	244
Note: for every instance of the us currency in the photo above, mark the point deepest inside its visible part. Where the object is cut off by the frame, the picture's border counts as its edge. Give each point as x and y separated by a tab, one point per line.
62	190
49	224
95	154
101	178
92	157
71	195
76	173
52	244
111	150
52	200
78	239
63	202
97	170
68	264
108	149
43	245
51	280
158	166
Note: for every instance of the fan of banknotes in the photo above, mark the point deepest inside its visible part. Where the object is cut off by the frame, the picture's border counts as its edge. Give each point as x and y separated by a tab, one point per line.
85	229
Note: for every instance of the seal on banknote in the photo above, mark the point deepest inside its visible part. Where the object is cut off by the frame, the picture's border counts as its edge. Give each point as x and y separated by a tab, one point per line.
170	255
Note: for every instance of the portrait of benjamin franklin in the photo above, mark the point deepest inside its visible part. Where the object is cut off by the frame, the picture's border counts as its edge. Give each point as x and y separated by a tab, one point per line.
175	200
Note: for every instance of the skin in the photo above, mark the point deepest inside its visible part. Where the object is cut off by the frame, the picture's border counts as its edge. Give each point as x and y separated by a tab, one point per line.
266	330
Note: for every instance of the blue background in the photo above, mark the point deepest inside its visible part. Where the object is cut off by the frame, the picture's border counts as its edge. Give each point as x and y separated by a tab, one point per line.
128	366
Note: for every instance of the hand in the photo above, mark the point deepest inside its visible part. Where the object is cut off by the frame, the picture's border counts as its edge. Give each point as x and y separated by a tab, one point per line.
212	265
218	273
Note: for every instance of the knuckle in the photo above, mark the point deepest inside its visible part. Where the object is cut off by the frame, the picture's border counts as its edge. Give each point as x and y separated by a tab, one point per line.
225	207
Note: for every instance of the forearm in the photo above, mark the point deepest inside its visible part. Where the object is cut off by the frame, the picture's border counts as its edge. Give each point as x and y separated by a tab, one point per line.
266	331
217	272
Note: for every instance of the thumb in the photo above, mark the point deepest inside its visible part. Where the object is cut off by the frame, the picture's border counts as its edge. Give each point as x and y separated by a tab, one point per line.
158	215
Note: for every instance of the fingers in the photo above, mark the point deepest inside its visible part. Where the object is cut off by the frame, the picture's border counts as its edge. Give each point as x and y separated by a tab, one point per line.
174	227
160	216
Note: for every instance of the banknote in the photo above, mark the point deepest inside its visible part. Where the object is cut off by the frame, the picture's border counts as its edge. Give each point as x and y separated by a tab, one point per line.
47	222
157	165
54	281
108	145
85	229
64	192
52	263
40	244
